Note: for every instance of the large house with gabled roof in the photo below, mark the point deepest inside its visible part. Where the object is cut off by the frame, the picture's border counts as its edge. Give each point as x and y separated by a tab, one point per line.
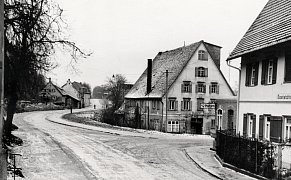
193	97
265	83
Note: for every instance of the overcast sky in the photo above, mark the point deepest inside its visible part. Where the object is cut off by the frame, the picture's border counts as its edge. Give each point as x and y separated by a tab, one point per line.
123	34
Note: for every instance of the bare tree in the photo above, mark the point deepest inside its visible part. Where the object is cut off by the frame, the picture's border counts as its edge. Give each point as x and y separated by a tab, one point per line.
33	31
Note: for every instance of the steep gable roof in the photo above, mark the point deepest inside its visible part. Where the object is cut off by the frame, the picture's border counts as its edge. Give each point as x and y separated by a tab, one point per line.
174	61
271	27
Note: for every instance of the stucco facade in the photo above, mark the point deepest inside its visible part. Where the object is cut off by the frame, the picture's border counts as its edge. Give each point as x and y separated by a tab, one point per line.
183	112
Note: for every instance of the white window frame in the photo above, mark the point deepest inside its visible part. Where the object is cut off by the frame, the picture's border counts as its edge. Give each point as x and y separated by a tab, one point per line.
173	126
186	86
287	129
186	104
201	72
200	88
253	76
267	128
219	118
172	104
270	71
214	87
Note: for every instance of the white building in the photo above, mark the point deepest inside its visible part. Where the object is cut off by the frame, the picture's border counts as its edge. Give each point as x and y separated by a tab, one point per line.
265	83
194	86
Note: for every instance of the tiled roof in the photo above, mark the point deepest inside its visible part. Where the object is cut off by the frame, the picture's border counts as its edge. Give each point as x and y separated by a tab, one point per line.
174	61
79	86
271	27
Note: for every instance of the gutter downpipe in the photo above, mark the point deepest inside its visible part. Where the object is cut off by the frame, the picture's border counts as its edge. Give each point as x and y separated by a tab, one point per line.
238	96
161	125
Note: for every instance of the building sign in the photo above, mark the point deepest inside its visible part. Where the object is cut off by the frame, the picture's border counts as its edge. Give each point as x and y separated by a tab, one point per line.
284	96
207	106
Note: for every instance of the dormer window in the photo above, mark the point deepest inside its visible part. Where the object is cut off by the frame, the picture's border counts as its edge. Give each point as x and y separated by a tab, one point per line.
201	72
202	55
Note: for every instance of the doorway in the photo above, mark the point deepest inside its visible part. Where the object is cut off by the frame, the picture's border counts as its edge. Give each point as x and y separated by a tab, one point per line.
196	125
230	119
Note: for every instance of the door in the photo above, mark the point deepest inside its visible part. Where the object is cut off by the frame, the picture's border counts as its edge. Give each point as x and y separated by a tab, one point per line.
196	125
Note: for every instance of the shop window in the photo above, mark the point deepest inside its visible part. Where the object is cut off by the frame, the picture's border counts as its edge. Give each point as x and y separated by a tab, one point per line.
173	126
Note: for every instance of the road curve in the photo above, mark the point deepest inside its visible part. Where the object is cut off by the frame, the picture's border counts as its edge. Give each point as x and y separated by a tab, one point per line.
55	151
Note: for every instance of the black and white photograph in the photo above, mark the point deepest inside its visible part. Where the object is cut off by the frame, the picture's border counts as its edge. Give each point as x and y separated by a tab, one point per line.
145	89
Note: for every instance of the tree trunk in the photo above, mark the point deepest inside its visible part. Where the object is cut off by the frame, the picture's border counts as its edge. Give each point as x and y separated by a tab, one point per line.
11	108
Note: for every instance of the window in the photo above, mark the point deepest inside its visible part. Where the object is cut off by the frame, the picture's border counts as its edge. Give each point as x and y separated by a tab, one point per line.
212	123
288	129
173	126
154	104
287	77
249	125
202	55
269	71
252	74
213	88
186	104
186	87
199	102
201	72
219	118
172	104
201	87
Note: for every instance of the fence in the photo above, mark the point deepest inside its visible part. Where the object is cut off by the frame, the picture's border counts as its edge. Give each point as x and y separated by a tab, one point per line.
248	154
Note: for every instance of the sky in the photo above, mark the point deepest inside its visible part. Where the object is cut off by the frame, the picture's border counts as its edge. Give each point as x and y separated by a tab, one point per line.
123	34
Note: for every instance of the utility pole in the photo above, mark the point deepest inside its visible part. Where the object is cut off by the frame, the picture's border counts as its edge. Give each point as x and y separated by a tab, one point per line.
167	74
3	158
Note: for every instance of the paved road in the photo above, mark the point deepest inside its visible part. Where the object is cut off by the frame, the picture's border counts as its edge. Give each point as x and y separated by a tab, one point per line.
56	151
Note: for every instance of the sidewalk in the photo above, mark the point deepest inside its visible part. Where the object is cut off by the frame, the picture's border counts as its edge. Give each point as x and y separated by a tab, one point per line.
204	158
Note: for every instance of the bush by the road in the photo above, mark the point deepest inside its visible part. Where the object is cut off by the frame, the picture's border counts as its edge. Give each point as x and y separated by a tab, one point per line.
38	107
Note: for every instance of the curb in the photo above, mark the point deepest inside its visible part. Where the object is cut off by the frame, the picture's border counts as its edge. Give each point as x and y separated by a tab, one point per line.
245	172
201	167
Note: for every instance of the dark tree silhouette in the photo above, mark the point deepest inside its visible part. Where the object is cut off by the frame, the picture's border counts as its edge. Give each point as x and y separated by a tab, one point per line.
34	29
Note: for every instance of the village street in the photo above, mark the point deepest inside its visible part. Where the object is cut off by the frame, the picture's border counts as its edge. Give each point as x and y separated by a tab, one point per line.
56	151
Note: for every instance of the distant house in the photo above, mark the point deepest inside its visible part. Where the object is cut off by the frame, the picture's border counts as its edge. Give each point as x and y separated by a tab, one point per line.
195	98
78	91
53	93
265	84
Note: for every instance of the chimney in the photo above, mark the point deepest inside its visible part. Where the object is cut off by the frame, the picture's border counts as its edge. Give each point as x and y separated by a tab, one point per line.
50	79
149	76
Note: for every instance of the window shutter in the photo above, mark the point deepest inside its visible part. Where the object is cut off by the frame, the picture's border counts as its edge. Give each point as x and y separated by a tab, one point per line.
182	106
204	88
206	72
196	88
210	88
254	126
264	72
217	89
274	71
158	105
168	105
182	88
196	71
190	87
256	73
176	105
190	105
275	128
261	127
245	120
287	67
248	74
